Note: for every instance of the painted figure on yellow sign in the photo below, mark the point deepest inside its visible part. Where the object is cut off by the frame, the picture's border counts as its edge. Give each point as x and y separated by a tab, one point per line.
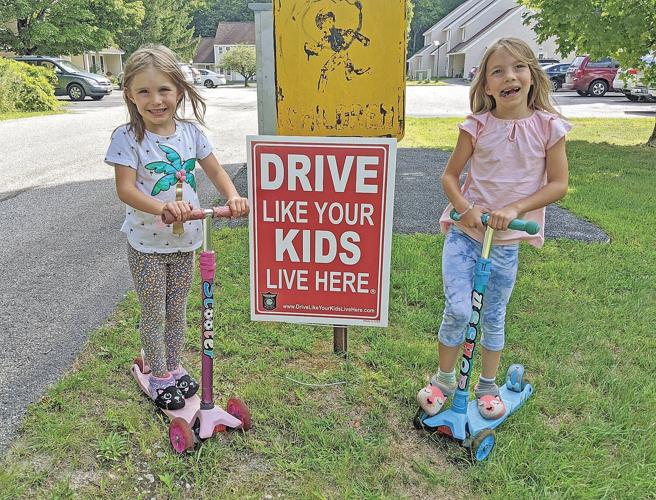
338	40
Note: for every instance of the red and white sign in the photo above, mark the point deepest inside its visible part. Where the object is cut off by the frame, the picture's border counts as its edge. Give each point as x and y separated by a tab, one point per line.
321	228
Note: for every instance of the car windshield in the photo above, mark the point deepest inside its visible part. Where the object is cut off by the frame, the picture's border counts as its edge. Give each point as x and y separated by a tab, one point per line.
69	66
578	61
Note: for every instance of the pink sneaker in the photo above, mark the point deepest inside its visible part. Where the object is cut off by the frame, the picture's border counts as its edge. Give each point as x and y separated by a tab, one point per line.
431	399
491	407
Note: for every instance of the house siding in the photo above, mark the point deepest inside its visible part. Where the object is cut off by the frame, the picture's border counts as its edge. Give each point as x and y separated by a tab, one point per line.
475	16
228	36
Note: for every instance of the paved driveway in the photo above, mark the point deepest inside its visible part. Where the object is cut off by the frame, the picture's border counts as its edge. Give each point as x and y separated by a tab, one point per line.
453	100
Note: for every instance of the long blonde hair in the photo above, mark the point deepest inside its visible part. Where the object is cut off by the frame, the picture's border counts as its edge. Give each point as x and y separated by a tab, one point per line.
163	59
538	94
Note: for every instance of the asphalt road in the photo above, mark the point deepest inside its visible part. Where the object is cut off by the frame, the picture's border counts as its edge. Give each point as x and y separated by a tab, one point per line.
453	100
63	260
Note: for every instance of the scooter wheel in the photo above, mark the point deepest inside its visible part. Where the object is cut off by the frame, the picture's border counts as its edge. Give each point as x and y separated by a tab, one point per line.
416	421
482	445
238	409
181	436
515	378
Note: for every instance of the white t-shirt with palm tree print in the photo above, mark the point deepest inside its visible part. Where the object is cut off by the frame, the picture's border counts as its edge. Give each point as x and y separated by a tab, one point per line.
161	162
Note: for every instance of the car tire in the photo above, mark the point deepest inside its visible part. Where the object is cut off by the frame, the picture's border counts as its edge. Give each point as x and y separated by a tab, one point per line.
581	93
76	92
554	85
598	88
632	98
209	84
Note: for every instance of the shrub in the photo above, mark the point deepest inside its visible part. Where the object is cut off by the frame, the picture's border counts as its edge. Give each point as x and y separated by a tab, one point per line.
24	87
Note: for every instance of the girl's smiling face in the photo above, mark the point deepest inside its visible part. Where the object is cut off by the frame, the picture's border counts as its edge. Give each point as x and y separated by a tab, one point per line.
508	80
156	98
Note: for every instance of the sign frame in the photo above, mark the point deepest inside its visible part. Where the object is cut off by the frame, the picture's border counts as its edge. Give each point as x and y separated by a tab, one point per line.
379	316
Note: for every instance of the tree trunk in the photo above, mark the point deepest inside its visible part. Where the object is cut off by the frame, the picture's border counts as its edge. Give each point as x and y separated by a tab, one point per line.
652	139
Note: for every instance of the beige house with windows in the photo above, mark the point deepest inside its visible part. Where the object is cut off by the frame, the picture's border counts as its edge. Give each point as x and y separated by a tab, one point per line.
458	41
228	35
103	62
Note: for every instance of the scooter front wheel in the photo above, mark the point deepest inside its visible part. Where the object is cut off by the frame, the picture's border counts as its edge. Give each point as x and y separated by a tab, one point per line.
180	434
482	445
516	378
417	420
238	409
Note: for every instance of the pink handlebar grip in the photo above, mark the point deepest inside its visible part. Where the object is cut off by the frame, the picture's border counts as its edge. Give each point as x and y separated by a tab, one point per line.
199	213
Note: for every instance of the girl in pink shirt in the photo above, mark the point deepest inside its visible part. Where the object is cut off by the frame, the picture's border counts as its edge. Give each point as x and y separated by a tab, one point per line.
515	143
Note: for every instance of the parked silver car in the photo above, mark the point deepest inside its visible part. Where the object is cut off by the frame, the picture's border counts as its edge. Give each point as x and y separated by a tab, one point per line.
211	79
632	83
188	73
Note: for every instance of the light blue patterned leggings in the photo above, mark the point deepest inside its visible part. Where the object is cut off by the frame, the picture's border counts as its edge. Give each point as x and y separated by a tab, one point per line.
162	282
458	267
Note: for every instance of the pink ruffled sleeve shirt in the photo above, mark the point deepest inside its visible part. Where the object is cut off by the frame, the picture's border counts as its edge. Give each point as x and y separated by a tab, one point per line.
508	164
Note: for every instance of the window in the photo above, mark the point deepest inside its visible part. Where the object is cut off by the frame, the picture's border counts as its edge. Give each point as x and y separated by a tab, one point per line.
604	62
220	50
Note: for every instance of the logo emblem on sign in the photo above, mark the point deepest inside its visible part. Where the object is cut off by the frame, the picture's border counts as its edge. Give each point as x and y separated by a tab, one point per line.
269	301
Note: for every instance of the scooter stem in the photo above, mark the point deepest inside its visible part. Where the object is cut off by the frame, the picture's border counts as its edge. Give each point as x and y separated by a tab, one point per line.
481	278
207	273
487	242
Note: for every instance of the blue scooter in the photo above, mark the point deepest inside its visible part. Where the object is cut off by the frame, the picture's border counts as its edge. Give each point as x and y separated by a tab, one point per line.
462	421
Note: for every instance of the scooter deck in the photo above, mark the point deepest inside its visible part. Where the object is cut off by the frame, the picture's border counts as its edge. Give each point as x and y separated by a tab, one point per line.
211	419
471	424
191	407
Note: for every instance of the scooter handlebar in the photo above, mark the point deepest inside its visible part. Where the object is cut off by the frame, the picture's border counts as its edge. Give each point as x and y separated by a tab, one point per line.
529	226
200	213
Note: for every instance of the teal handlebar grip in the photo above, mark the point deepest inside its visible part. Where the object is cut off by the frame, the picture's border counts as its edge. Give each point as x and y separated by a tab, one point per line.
529	226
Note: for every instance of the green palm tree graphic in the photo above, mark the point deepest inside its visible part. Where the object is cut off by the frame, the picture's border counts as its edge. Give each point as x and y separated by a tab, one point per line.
170	170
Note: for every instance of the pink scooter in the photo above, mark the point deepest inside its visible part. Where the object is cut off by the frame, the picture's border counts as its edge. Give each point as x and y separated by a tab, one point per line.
200	419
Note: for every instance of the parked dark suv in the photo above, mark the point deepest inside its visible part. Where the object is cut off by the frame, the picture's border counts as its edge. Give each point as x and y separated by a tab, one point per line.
72	81
588	77
556	74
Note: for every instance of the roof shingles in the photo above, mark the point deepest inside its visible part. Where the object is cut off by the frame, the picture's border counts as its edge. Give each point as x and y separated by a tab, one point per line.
235	33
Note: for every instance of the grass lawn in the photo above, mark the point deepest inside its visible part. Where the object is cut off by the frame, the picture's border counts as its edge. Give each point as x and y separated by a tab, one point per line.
580	321
17	114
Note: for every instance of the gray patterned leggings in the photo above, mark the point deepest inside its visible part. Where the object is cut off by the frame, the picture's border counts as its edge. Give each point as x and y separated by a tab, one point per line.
162	282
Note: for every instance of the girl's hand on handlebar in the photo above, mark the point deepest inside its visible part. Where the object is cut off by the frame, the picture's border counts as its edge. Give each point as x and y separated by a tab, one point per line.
179	209
238	206
499	219
472	219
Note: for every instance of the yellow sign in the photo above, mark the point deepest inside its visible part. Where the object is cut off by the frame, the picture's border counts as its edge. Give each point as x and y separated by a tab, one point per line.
340	67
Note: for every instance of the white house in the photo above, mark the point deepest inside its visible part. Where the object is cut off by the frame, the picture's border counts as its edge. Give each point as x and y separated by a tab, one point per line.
228	35
458	41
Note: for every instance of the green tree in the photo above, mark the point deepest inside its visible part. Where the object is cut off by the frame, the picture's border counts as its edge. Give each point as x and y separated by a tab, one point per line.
215	11
623	29
65	26
242	60
168	22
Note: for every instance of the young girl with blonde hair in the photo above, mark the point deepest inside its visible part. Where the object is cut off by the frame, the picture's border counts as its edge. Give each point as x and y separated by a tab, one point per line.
154	157
515	143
